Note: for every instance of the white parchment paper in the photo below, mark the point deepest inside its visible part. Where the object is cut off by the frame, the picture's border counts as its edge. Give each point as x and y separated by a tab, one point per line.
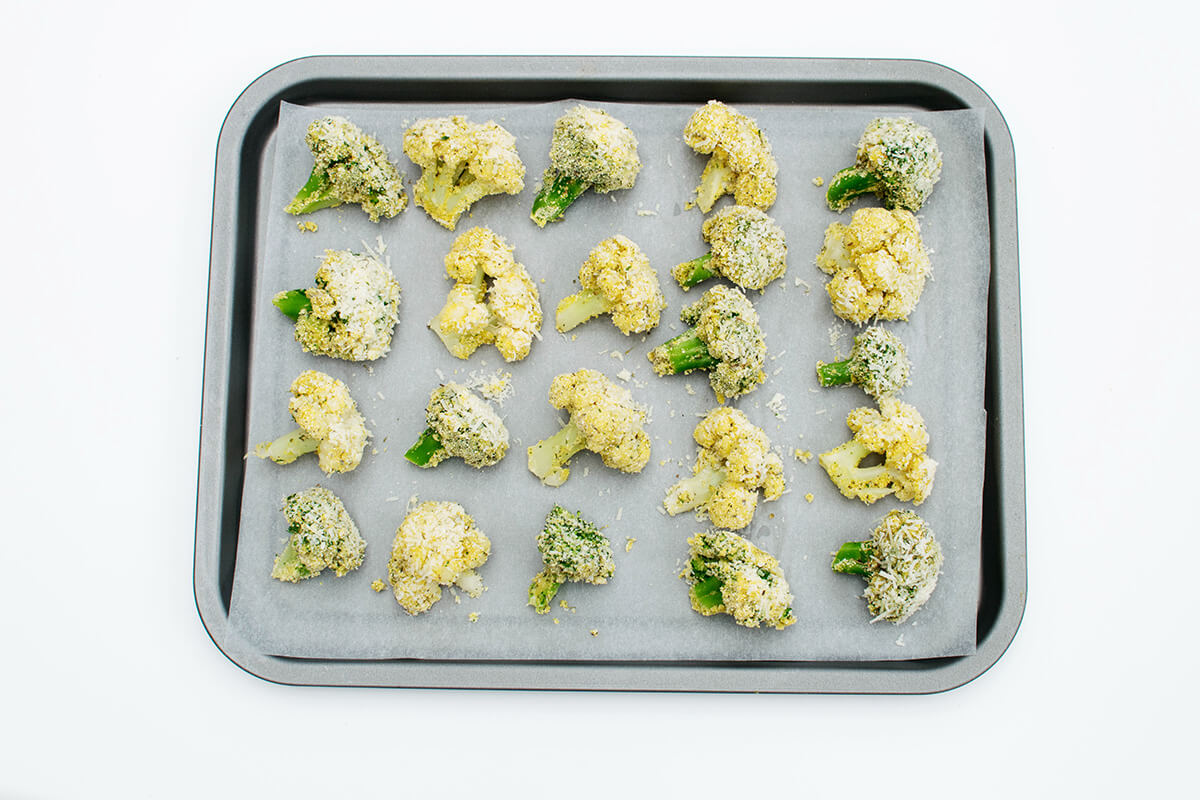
643	612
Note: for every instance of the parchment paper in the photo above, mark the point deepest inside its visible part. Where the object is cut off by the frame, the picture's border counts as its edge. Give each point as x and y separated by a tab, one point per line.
643	612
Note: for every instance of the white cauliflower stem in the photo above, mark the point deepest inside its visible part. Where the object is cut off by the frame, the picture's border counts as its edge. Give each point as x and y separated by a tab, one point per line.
897	432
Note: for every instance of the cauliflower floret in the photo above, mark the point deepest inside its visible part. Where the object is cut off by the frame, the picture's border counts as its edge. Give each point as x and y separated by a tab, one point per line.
897	432
589	148
741	160
735	461
617	280
724	337
747	248
507	312
329	424
901	563
729	575
349	167
897	159
460	424
436	545
322	536
878	263
604	419
461	162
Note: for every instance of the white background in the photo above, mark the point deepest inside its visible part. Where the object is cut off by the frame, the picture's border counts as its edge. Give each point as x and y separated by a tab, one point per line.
109	685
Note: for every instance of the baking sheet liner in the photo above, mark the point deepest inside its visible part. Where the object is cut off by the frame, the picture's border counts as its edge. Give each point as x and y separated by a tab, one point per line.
643	612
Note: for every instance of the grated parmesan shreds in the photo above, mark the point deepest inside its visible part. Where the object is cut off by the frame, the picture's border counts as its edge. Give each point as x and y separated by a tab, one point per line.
904	567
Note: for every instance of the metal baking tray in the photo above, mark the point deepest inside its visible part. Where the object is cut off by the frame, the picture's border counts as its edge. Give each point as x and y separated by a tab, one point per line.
243	176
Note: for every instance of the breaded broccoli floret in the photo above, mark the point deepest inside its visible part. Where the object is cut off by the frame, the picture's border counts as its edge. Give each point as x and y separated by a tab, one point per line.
572	549
322	536
729	575
901	564
741	162
349	167
351	312
897	432
436	545
461	162
604	419
329	424
589	148
462	425
723	337
747	248
734	462
878	363
897	159
617	279
493	301
878	263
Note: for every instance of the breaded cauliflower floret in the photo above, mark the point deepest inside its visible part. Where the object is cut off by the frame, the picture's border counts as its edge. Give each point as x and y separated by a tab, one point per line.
617	279
322	536
461	162
723	337
729	575
741	162
604	419
897	432
436	545
747	248
589	148
901	563
351	312
459	424
329	424
878	264
348	167
897	159
734	462
493	301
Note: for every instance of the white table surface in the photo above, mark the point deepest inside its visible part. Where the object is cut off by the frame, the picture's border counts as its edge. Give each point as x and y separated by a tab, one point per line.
109	685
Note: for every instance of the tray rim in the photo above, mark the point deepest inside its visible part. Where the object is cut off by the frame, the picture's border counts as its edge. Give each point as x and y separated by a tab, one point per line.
880	677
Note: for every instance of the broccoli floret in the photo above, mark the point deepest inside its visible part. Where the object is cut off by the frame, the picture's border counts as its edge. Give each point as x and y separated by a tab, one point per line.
617	280
349	167
747	248
723	337
329	423
878	263
589	149
878	363
352	311
897	432
735	461
462	425
437	544
572	549
901	563
897	159
741	161
461	162
604	419
729	575
493	301
322	536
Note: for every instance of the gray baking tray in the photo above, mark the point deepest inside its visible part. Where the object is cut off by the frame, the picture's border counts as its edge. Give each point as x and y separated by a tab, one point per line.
243	179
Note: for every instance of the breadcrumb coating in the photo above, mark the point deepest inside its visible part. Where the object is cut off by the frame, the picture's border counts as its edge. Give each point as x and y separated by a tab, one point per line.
323	408
437	544
353	308
741	163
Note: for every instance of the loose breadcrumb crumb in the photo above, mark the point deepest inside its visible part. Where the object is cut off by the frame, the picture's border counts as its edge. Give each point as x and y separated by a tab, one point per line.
473	616
595	632
809	497
307	227
629	540
378	585
818	181
803	456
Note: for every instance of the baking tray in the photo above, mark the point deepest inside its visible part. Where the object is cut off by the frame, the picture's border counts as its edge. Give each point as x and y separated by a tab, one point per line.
242	177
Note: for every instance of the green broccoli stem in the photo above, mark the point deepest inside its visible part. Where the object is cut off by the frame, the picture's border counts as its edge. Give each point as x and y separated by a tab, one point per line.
698	270
292	302
693	492
425	448
542	591
555	197
835	374
287	448
706	591
548	458
578	308
852	558
314	195
848	184
683	353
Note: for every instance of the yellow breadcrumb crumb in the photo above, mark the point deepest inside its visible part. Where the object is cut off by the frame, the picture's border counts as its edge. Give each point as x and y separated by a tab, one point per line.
308	227
378	585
